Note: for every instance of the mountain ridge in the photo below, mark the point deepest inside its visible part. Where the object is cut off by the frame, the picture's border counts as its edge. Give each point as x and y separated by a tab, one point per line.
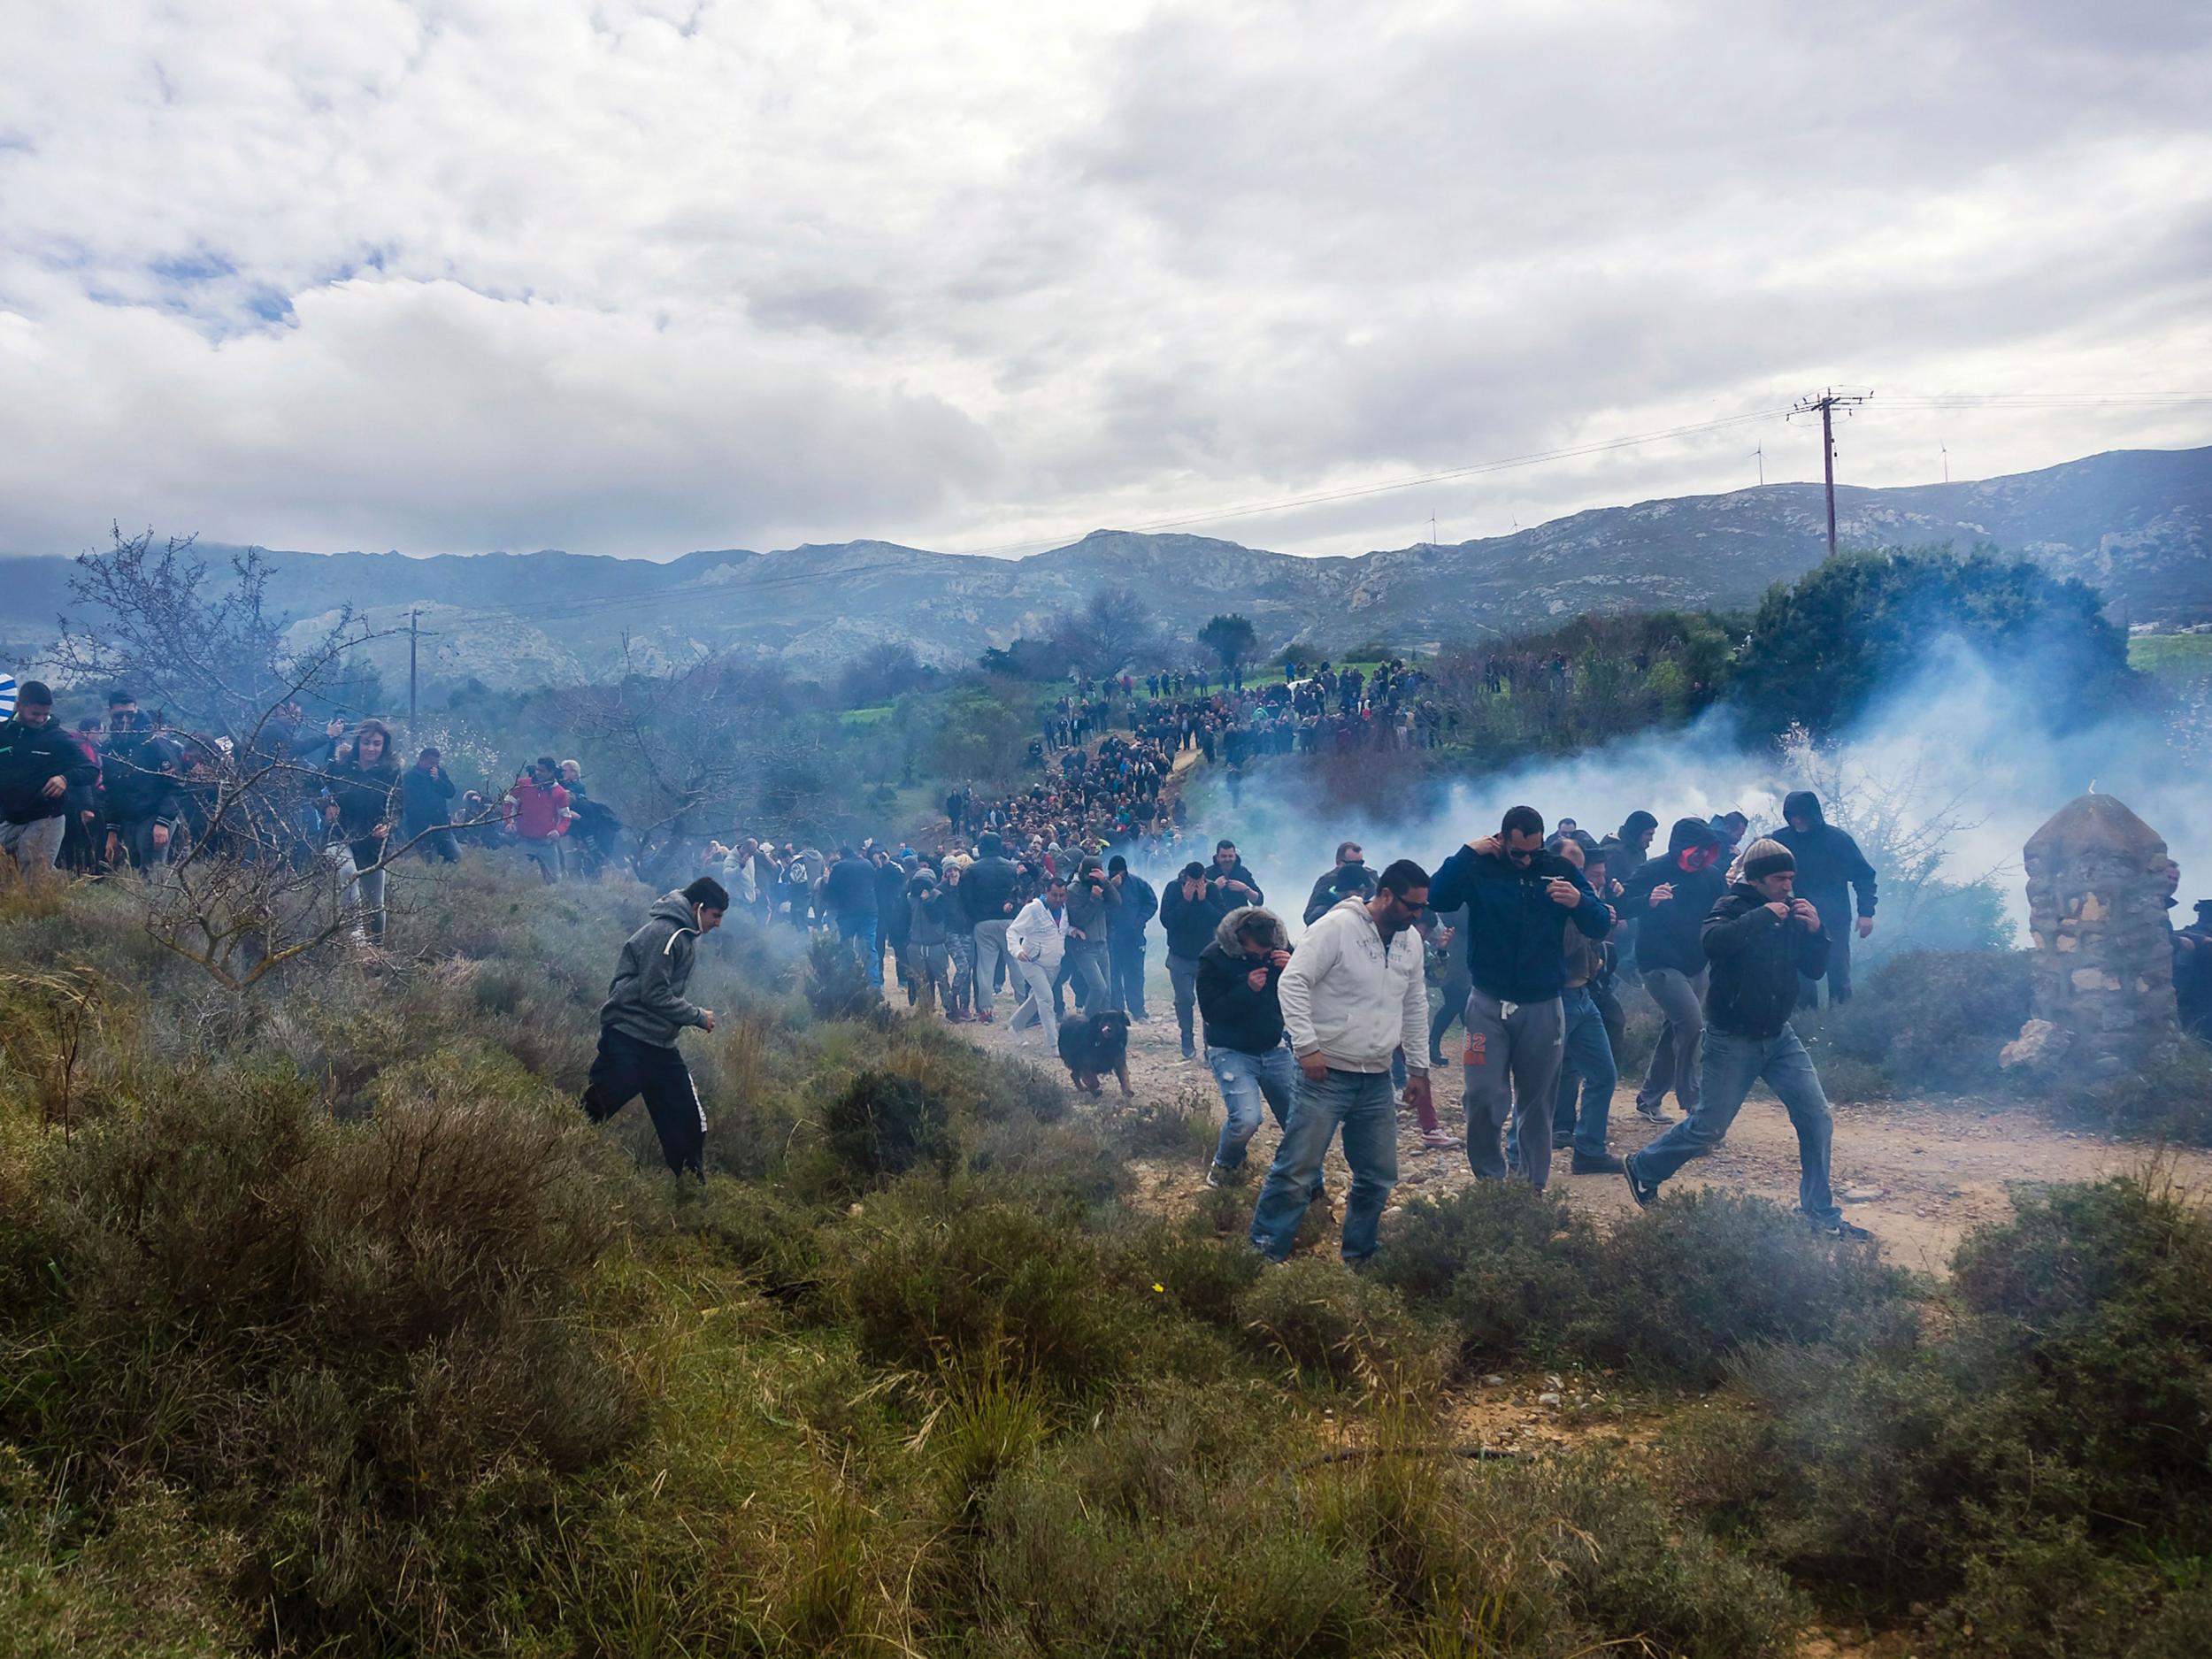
2136	523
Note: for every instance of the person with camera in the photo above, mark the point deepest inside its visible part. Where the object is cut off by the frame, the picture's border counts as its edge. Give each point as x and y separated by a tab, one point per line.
1092	902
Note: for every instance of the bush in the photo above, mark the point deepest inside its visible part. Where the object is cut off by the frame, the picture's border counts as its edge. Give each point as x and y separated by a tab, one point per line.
2016	1471
1930	1020
837	983
884	1126
1336	1328
1678	1287
1509	1266
353	1345
2165	1099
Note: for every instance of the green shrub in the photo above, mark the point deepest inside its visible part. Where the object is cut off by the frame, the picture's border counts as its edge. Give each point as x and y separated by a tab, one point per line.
1509	1266
2021	1472
353	1345
884	1126
2169	1098
959	1274
1678	1287
1337	1328
1928	1020
837	983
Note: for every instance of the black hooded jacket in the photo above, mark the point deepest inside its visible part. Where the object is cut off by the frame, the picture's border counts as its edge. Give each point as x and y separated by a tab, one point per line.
1236	1016
1346	881
29	755
987	889
1667	934
1828	860
1756	957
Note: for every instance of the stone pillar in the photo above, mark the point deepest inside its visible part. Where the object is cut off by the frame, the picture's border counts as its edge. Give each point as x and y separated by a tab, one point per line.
2103	972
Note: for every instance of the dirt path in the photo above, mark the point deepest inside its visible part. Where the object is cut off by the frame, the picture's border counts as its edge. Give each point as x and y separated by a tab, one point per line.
1917	1176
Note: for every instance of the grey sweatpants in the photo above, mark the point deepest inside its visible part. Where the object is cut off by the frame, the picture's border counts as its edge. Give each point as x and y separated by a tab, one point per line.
36	846
1512	1067
1676	1062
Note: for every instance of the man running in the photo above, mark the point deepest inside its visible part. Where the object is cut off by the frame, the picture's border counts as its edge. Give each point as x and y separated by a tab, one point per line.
1038	942
1353	995
639	1023
1759	939
1189	910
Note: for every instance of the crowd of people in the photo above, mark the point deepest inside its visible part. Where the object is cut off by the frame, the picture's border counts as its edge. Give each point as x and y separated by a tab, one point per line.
131	792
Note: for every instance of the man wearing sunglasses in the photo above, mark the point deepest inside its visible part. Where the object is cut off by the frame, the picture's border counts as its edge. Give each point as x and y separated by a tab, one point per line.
1520	902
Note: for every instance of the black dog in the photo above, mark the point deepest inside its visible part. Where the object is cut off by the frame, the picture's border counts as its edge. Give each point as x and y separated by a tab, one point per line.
1092	1045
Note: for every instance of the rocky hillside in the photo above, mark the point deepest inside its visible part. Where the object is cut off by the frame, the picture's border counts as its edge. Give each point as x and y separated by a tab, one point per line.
2137	523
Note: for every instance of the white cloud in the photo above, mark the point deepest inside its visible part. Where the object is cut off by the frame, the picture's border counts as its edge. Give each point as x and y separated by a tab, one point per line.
630	277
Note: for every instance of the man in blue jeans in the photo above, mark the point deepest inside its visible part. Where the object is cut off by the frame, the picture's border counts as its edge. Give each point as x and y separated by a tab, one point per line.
1353	995
1759	939
1243	1017
850	894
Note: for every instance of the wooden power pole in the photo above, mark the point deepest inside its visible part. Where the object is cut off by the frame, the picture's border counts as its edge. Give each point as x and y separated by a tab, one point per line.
1827	403
414	635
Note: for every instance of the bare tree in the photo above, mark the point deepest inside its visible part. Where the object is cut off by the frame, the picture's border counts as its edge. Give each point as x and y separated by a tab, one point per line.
1105	634
247	887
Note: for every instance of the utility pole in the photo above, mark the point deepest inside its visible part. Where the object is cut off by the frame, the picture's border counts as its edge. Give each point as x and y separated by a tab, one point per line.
413	635
1827	403
1947	460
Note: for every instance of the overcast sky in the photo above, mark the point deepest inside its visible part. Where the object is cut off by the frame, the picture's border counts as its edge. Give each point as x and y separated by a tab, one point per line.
636	279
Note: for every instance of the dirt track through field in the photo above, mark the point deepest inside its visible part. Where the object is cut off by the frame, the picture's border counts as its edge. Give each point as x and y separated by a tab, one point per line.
1919	1176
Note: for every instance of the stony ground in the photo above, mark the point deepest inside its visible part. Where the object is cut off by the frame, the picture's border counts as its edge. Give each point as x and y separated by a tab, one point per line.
1918	1175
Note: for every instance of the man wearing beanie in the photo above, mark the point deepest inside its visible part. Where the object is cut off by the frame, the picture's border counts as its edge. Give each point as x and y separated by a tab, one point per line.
40	763
1758	938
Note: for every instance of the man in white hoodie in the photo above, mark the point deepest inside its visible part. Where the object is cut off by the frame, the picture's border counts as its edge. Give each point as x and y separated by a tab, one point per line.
1353	995
1038	941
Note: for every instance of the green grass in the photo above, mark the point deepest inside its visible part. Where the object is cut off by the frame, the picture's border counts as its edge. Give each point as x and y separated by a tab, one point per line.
2177	657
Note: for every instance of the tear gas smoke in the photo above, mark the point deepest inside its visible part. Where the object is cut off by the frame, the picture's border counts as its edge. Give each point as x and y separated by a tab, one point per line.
1966	752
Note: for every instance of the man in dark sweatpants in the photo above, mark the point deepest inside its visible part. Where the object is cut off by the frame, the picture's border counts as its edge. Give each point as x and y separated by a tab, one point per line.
639	1022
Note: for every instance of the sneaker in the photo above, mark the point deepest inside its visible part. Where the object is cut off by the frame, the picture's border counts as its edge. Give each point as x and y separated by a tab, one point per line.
1189	1053
1645	1192
1439	1139
1604	1163
1217	1176
1561	1143
1437	1062
1656	1113
984	1015
1839	1229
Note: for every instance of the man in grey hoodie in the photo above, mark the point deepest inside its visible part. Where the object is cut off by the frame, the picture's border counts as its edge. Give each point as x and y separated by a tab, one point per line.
639	1022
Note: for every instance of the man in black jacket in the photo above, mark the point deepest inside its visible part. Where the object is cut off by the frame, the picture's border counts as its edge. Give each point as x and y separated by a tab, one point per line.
1669	898
426	794
1829	867
1350	879
1092	902
1759	939
1124	936
1237	974
989	897
848	894
40	763
1190	910
1230	877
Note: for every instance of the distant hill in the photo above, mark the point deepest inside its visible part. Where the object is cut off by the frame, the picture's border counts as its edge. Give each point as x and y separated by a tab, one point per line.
2136	523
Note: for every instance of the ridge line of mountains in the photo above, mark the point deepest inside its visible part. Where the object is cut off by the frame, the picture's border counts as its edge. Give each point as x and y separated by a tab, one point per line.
2135	523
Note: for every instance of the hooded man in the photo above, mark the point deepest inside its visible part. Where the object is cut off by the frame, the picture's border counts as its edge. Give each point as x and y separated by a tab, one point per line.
40	763
1669	897
1237	976
1124	936
644	1012
1190	910
1353	995
1521	901
1351	879
1830	868
1761	939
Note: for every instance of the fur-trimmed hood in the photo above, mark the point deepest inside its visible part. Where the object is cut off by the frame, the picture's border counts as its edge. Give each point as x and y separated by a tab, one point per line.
1227	931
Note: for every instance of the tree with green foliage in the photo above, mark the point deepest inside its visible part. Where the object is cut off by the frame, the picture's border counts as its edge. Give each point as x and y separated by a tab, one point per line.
1818	652
1230	638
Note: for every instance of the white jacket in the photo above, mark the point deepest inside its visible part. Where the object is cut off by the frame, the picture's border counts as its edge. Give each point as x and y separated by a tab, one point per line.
1040	935
1346	998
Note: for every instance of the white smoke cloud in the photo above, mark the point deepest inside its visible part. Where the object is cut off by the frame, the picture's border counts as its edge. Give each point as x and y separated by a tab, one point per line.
1966	740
